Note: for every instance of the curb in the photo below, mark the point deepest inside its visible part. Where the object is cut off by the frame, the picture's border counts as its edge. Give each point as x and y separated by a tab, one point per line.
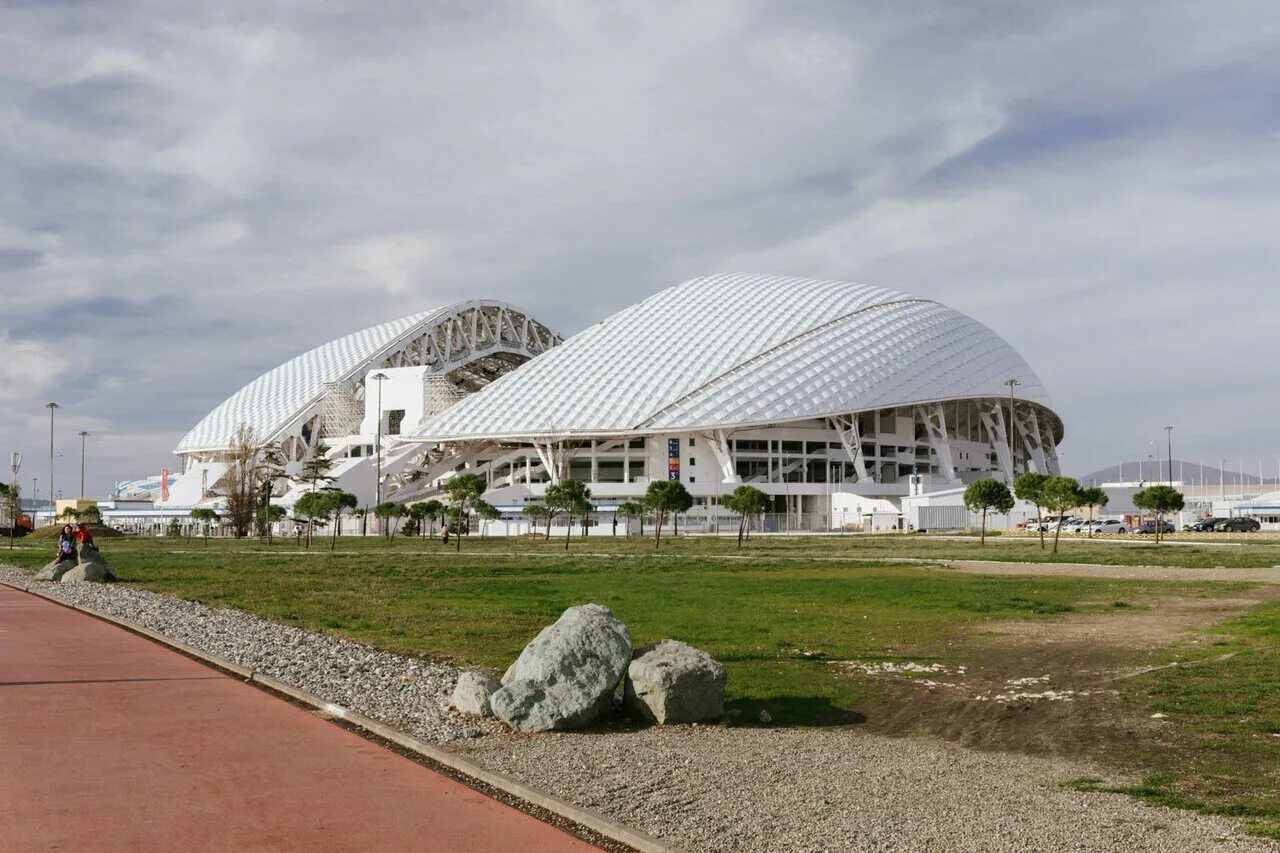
592	820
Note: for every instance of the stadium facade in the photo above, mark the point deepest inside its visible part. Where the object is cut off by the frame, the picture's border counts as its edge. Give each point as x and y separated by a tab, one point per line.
833	398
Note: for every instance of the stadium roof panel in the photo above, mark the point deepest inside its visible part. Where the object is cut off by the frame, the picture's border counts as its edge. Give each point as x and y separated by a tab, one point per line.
735	350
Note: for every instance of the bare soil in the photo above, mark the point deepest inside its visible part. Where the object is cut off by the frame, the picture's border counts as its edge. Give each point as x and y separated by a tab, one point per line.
1048	686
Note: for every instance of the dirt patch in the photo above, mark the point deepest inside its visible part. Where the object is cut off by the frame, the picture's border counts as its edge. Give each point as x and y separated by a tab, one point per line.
1044	686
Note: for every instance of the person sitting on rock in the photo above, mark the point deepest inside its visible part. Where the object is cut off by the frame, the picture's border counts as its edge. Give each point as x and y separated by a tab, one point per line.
84	536
66	544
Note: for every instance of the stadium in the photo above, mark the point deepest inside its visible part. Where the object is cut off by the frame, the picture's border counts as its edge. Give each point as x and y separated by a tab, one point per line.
835	399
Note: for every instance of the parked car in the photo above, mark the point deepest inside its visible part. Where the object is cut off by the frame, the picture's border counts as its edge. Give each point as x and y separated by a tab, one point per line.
1239	524
1201	525
1150	527
1108	526
1075	525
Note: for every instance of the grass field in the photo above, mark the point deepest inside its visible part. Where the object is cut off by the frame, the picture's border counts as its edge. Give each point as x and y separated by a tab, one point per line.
778	613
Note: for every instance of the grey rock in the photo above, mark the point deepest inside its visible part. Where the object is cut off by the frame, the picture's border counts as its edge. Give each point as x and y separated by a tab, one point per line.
766	717
566	677
672	682
55	570
472	692
91	568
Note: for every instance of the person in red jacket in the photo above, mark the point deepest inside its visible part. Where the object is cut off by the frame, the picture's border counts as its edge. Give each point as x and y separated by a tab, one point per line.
83	536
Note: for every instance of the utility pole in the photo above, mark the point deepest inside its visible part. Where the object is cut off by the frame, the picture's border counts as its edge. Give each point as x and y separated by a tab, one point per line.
1012	383
83	436
1168	431
52	407
35	491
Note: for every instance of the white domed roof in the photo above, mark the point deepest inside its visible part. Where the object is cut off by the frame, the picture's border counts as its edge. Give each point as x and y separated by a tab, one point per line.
727	351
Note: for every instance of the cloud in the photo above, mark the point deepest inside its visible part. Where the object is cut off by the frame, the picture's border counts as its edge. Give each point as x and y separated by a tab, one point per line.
196	194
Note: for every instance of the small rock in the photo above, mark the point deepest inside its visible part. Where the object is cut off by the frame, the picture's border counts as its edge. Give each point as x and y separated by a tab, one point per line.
765	717
1159	716
471	695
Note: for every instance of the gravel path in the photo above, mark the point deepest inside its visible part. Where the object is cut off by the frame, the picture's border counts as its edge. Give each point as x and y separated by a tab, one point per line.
707	788
407	693
1094	570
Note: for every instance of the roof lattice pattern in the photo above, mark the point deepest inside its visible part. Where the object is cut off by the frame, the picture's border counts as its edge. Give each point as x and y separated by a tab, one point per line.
739	350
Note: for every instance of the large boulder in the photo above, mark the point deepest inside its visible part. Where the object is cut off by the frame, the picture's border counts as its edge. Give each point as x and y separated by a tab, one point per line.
672	682
91	568
472	692
566	677
55	570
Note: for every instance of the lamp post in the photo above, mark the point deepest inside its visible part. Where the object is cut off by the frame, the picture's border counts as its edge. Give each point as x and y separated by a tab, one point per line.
35	493
15	462
1168	431
83	436
1012	383
52	407
377	440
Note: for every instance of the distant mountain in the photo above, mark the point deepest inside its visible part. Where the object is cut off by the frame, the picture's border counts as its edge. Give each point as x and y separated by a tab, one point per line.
1187	472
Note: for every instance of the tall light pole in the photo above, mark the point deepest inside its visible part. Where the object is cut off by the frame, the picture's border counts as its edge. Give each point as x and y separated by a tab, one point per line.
1012	383
1168	431
83	436
35	492
52	407
377	440
15	462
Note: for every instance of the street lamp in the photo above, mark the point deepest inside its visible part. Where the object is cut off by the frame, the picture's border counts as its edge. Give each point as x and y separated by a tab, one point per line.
377	440
35	493
1168	431
83	436
15	462
52	407
1012	383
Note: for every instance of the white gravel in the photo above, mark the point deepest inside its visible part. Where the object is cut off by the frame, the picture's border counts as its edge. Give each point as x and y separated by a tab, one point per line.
408	693
707	788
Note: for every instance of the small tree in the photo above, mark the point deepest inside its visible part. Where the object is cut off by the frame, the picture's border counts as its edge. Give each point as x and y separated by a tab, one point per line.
1092	498
1159	500
485	511
316	468
747	502
985	496
1030	488
240	481
536	513
69	514
571	497
90	515
271	464
662	497
463	491
390	513
431	511
207	517
268	515
311	506
338	503
12	498
630	510
1060	495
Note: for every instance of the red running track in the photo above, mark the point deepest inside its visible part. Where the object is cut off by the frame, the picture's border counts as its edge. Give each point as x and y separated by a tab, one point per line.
109	741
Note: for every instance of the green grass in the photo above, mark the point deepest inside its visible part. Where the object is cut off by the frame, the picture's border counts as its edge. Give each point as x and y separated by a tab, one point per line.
1223	706
775	613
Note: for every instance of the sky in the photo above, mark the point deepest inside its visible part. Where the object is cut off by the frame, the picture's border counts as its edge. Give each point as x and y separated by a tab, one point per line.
192	193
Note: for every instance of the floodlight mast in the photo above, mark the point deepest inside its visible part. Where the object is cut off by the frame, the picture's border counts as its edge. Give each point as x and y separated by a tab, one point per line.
52	407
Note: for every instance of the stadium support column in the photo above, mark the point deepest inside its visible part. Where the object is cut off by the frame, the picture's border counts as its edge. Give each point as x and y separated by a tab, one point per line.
935	424
719	445
846	426
992	415
1028	426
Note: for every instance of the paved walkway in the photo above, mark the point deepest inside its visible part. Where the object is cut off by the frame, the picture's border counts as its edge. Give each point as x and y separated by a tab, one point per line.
109	741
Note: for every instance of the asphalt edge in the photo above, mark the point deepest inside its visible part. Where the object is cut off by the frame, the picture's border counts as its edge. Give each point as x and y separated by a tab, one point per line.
592	820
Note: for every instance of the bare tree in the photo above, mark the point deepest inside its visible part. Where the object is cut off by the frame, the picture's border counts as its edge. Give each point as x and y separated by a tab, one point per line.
241	481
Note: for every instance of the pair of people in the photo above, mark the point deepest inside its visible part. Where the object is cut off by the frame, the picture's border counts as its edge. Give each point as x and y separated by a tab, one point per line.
70	538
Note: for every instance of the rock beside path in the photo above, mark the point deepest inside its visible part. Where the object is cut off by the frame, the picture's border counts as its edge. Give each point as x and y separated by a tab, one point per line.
566	677
88	567
673	682
472	692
